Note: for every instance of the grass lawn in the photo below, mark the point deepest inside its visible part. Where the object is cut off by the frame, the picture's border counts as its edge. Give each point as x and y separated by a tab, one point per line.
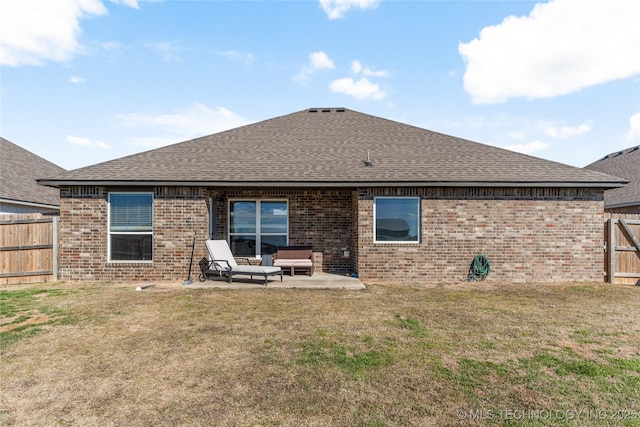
451	354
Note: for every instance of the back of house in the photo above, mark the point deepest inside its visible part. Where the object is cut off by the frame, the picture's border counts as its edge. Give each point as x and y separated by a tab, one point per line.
383	199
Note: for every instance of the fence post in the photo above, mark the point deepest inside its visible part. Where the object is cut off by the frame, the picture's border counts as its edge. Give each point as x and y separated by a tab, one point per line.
55	248
612	251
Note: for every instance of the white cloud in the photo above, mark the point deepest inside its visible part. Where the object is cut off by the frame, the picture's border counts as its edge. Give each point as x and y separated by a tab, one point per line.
86	142
529	148
357	68
130	3
33	32
246	58
198	121
317	61
320	61
379	73
633	134
359	89
561	47
565	132
336	9
77	80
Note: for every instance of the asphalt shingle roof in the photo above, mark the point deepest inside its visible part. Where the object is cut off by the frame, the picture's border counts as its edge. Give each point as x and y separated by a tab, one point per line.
328	147
625	164
19	170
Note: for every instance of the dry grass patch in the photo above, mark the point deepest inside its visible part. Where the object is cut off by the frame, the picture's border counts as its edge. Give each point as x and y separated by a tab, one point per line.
389	355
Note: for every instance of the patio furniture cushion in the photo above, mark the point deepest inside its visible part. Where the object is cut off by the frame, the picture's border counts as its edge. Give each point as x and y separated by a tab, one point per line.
295	262
294	256
223	262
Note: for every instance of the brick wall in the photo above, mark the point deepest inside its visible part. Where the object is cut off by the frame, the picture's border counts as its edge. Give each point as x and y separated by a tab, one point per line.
178	213
527	234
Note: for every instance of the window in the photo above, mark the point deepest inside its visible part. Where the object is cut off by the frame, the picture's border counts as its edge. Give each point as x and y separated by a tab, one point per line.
257	227
130	227
397	219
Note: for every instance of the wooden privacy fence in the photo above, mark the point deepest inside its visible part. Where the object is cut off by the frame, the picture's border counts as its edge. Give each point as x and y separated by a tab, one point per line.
622	260
28	248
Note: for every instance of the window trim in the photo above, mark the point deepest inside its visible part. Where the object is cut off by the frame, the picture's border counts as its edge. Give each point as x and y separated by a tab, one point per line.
110	233
419	213
258	203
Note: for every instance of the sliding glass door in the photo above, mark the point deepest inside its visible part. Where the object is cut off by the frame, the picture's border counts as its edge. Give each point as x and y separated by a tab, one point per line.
257	227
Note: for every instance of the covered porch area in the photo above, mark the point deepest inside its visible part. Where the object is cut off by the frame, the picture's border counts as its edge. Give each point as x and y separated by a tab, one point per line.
256	221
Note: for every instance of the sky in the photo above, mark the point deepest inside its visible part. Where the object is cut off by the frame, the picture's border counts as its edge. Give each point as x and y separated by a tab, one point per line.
85	81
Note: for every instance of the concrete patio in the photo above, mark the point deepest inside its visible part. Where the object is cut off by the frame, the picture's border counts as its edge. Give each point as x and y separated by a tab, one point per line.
317	281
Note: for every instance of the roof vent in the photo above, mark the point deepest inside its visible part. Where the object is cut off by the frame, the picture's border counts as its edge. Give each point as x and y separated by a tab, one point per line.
367	162
618	153
326	110
634	149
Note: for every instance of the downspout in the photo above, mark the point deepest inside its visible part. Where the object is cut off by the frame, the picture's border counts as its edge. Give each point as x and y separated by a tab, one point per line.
213	218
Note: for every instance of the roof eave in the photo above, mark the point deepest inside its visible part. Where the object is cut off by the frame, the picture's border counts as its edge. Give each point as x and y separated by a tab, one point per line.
332	184
622	205
27	203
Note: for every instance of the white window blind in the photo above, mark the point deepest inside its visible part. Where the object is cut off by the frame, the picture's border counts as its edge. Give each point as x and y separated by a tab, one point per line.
131	212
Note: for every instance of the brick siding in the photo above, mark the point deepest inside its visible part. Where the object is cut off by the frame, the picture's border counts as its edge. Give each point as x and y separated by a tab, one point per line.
178	214
527	234
543	235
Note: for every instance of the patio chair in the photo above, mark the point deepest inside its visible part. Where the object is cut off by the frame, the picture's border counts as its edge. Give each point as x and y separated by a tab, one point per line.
293	257
223	264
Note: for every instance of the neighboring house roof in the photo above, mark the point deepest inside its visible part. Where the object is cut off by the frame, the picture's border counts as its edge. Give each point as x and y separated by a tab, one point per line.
328	147
19	170
625	164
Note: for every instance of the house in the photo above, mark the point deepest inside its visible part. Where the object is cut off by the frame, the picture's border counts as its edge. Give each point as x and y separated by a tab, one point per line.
19	191
625	164
389	201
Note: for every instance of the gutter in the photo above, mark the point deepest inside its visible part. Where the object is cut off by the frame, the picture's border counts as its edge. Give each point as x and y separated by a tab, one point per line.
330	184
30	204
622	205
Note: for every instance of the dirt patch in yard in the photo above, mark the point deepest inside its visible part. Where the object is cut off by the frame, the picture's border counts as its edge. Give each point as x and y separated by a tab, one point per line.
22	320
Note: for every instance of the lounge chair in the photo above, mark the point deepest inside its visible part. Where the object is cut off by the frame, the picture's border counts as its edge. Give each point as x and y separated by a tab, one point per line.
223	264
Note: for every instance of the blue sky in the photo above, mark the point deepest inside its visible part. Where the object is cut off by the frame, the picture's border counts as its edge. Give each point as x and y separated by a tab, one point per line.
84	81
